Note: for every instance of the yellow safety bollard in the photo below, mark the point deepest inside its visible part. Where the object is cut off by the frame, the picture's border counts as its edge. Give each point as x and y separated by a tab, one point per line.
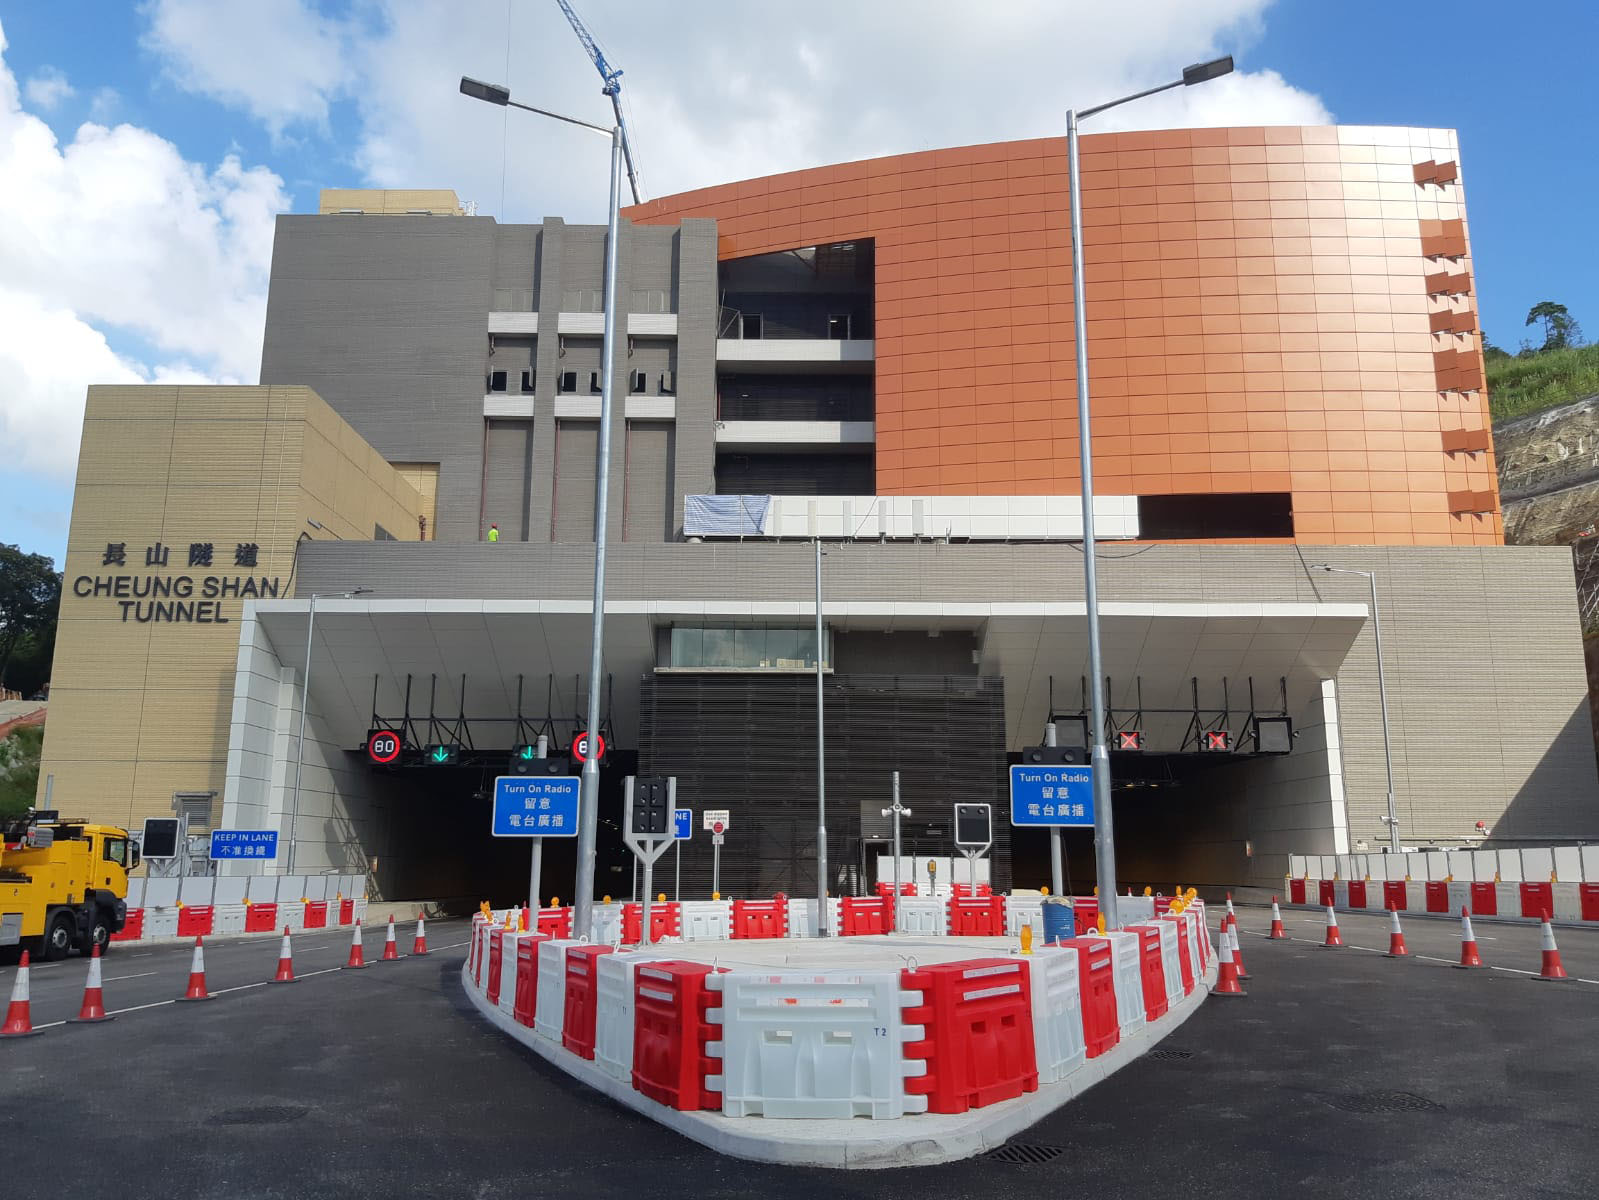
716	895
555	902
1027	939
605	899
1102	924
1043	891
1148	891
661	899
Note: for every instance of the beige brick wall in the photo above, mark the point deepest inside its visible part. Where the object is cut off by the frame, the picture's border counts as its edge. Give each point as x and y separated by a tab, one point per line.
140	708
391	202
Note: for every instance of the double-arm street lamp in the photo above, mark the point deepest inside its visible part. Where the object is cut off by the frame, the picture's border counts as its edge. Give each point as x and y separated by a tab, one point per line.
589	795
1104	834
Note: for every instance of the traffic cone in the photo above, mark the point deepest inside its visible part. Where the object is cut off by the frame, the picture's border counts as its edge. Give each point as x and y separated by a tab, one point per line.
1551	968
1396	937
1277	934
1231	915
1334	941
1468	942
93	997
1227	972
196	989
391	952
285	961
356	960
19	1013
420	946
1238	954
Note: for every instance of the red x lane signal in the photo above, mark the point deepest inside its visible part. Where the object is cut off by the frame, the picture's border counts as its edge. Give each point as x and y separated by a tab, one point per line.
1218	739
1129	739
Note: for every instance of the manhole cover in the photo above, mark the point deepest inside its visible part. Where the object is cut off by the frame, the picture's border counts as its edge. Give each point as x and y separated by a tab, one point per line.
1383	1102
1024	1154
264	1114
1171	1055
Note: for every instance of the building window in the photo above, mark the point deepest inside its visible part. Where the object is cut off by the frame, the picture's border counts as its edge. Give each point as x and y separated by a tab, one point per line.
838	327
727	648
380	534
640	383
1214	517
568	382
594	381
749	325
496	381
527	382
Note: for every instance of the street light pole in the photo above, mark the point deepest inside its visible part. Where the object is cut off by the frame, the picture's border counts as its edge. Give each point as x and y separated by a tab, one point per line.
1104	830
589	786
1382	697
821	767
305	695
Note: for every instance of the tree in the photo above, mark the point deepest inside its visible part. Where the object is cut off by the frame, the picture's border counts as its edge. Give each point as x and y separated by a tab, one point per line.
1491	352
1559	329
30	593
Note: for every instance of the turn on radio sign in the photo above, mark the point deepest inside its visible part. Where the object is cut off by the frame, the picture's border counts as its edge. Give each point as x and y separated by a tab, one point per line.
1051	794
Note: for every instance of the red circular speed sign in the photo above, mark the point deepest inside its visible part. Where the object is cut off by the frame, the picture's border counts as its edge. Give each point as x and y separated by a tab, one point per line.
716	827
383	746
580	747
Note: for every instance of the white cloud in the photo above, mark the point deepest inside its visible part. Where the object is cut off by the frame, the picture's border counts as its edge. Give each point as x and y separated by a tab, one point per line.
116	233
717	91
48	88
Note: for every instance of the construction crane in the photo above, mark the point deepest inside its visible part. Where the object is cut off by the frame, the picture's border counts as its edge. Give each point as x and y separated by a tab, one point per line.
613	88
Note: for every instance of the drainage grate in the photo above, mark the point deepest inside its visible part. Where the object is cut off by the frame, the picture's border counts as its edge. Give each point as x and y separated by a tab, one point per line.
1383	1102
1171	1055
1024	1154
264	1114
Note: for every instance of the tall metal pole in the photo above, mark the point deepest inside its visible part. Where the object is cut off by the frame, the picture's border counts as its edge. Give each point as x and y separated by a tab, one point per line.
536	866
821	766
299	744
1382	697
1104	832
1057	877
583	912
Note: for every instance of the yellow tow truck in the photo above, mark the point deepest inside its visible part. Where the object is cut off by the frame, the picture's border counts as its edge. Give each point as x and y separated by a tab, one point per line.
63	884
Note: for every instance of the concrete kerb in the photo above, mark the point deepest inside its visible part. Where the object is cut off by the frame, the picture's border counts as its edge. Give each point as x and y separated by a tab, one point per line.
922	1140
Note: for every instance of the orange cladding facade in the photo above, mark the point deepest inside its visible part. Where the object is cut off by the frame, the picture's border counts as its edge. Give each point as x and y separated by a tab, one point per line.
1276	309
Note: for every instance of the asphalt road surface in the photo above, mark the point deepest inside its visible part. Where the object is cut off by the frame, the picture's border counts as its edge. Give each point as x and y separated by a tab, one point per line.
1341	1073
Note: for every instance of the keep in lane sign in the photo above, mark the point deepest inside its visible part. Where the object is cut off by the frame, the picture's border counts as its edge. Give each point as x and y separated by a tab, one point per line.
682	824
1052	795
244	843
535	806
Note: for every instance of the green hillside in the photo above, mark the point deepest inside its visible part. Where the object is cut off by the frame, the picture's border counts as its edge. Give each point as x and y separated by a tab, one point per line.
1518	386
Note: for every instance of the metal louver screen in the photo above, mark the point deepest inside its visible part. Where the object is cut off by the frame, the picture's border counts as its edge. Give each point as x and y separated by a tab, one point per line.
648	496
796	475
577	444
748	744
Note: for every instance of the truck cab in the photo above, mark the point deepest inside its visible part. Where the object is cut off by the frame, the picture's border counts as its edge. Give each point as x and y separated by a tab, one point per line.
63	884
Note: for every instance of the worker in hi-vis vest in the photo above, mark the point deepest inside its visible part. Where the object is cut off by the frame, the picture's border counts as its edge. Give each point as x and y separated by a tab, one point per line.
494	533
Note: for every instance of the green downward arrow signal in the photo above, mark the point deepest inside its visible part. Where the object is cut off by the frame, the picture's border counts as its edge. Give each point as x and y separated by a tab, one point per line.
526	752
440	754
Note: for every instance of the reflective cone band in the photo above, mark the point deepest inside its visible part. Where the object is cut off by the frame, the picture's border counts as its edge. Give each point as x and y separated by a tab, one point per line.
1277	934
19	1018
1238	957
391	952
420	946
1396	937
1226	973
93	997
1551	967
285	961
1468	942
1230	912
196	989
1333	941
356	958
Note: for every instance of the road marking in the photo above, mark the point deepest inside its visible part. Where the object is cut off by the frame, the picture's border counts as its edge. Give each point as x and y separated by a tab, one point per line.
452	946
141	975
242	987
323	971
49	1025
145	954
139	1007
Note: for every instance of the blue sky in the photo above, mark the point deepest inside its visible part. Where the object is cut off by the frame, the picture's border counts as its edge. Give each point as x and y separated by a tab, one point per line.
236	110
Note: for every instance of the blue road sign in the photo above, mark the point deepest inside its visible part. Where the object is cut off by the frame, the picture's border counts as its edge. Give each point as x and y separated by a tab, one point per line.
535	806
1052	795
244	843
682	824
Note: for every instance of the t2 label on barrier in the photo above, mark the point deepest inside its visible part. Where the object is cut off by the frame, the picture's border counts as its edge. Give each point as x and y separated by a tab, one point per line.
535	806
1052	795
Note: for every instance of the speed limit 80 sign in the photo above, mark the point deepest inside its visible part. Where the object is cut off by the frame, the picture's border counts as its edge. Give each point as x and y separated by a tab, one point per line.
384	746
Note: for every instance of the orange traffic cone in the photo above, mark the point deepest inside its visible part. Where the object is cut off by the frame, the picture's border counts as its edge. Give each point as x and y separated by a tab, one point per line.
1551	968
1277	934
19	1013
93	997
1334	941
196	989
1226	973
1468	942
420	946
391	952
1396	937
1238	955
285	961
1231	915
356	959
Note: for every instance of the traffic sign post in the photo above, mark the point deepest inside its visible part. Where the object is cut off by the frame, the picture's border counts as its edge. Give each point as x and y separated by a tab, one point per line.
649	826
683	829
897	811
536	855
974	834
716	820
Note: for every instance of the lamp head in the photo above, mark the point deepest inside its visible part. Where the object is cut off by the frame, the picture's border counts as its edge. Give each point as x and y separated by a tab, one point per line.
1198	73
493	93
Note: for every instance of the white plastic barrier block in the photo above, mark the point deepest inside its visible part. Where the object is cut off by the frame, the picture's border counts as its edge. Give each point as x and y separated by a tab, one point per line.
923	914
1484	864
550	1019
802	917
1507	896
1416	896
228	889
1509	866
1129	981
1135	910
1169	962
160	922
1459	865
196	891
316	888
160	893
227	918
290	913
1435	866
1590	864
360	909
1341	893
1025	910
1568	901
1374	896
1057	1011
814	1046
1298	864
607	920
1537	864
1459	895
508	953
135	897
707	920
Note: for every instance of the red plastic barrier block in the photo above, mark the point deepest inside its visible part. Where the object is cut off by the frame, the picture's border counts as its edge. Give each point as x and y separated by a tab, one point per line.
666	920
1151	970
905	889
1537	899
496	957
977	916
670	1031
1357	893
1096	976
316	914
556	922
1588	897
862	916
979	1022
1326	896
1296	891
133	930
1437	896
1484	900
1085	914
346	912
582	999
1393	894
1185	956
195	921
525	1004
963	891
761	918
1162	905
260	918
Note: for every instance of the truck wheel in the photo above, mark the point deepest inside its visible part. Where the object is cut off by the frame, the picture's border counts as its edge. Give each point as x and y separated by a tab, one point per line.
100	935
59	936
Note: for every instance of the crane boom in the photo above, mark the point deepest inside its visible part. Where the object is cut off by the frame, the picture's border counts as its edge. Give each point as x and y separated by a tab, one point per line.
612	77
